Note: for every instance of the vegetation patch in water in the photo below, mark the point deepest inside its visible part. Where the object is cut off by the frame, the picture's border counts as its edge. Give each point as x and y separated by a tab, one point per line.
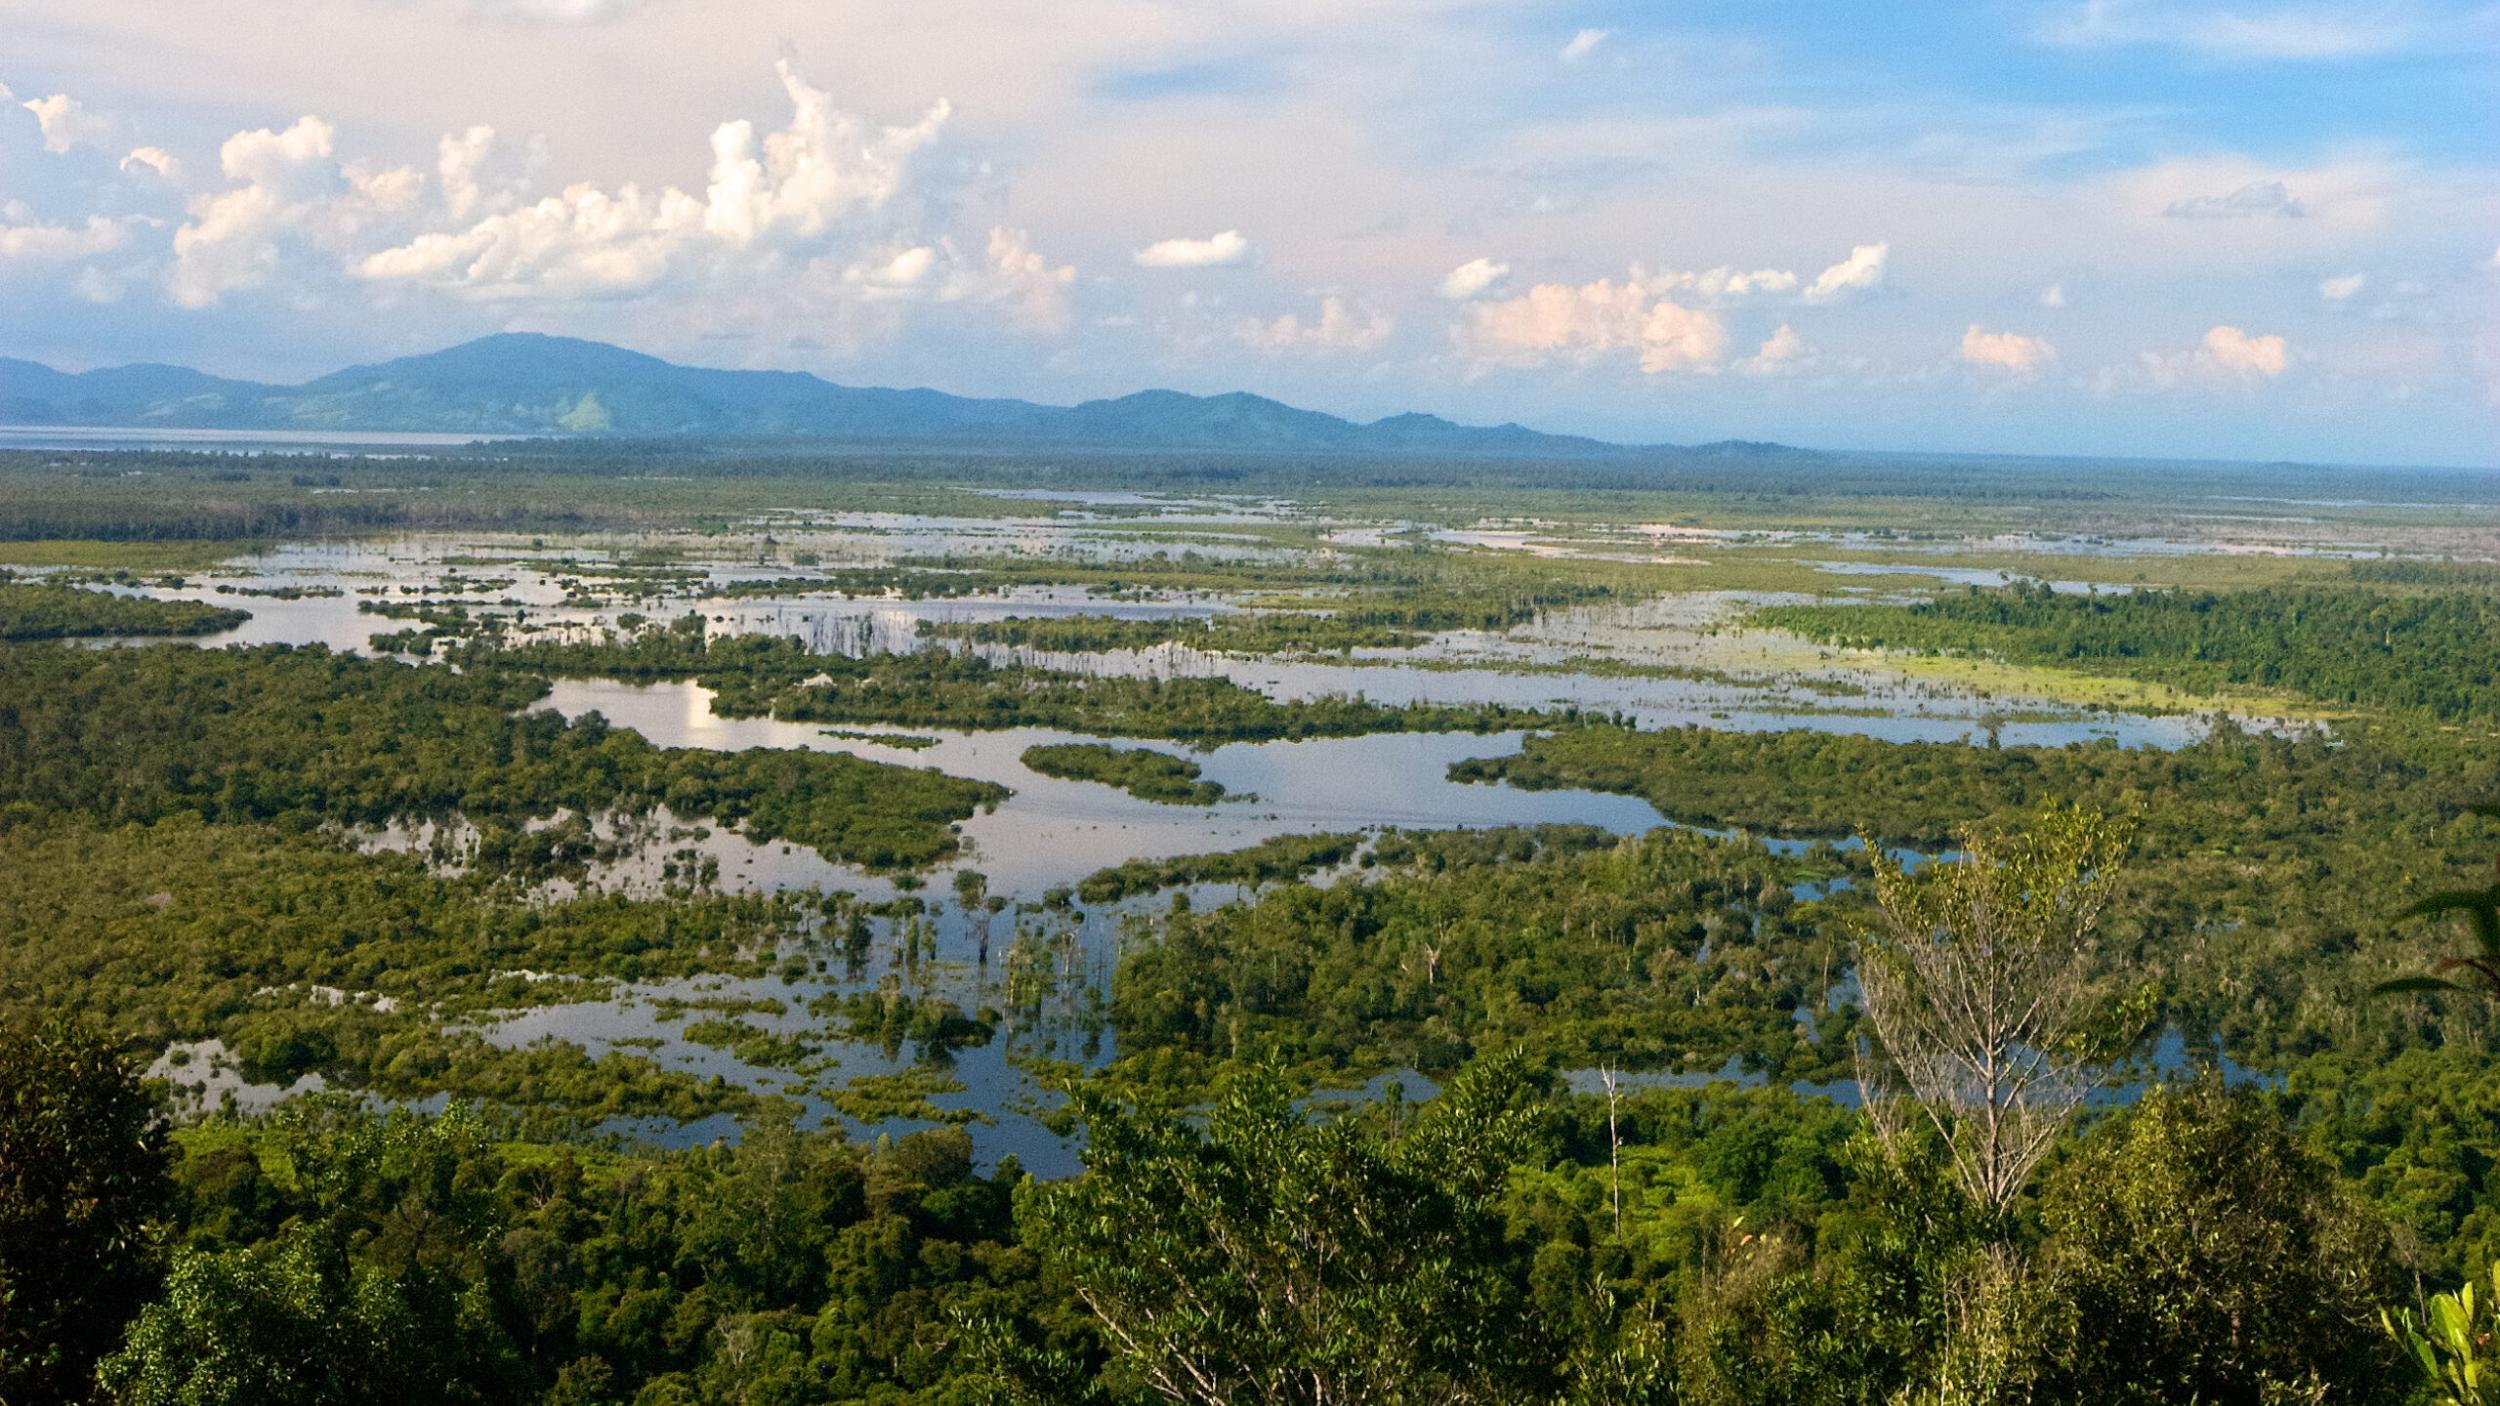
1142	772
42	610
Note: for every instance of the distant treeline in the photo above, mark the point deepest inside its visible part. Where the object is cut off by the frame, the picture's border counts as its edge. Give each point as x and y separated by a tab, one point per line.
2438	653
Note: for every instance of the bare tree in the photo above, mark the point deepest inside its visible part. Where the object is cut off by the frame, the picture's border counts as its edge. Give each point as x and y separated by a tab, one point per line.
1980	988
1614	1143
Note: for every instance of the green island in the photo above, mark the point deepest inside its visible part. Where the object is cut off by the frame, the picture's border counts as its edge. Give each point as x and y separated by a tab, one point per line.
43	610
779	677
1147	774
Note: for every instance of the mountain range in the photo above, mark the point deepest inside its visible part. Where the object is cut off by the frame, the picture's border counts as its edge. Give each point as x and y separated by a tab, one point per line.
527	383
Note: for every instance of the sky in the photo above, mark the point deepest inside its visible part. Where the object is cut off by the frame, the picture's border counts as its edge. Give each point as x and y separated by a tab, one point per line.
2113	227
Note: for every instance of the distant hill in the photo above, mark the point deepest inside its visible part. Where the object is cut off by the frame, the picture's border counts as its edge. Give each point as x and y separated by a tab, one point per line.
525	383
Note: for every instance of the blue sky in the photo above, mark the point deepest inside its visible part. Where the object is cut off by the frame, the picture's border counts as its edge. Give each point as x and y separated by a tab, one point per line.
2246	231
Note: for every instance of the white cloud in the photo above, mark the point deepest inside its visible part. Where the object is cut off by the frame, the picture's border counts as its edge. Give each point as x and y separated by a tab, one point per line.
385	188
1583	44
2257	198
2010	352
1864	268
1019	277
1337	329
1215	251
2053	296
1718	284
65	121
456	162
824	165
231	239
1778	352
1554	321
151	158
583	240
2232	350
1472	277
2226	356
904	270
2336	290
51	243
788	190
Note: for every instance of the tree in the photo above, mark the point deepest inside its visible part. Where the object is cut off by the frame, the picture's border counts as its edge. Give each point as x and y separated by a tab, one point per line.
1272	1258
1980	990
83	1159
2203	1256
287	1322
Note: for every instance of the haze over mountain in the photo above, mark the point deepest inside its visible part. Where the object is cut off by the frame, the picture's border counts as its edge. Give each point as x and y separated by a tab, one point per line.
527	383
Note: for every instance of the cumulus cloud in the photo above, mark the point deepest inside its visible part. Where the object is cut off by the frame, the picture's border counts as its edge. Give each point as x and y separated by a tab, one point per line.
2336	290
231	240
2257	198
1583	44
1719	284
1778	352
1554	321
23	238
1017	276
457	158
824	165
904	270
151	158
1214	251
65	121
786	190
2010	352
1471	278
2053	296
1864	268
2226	356
2232	350
582	240
1337	328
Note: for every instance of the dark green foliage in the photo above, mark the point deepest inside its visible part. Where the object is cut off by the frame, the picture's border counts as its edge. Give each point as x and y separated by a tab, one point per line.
35	610
183	931
1664	949
1279	857
1262	633
764	676
83	1156
2200	1255
2438	653
285	734
1269	1258
1142	772
337	1256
